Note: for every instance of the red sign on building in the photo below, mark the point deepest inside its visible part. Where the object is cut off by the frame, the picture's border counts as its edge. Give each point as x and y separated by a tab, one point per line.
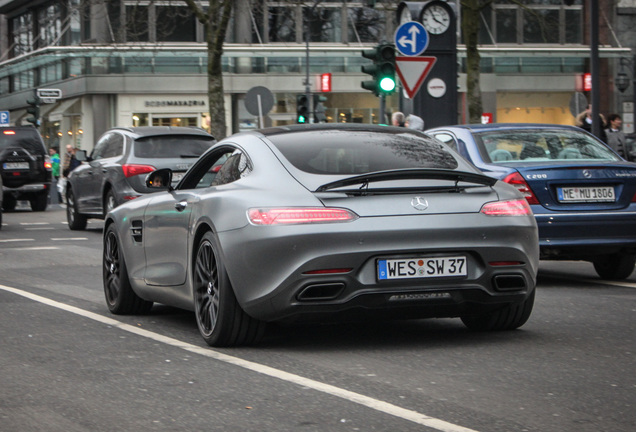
325	82
587	82
486	118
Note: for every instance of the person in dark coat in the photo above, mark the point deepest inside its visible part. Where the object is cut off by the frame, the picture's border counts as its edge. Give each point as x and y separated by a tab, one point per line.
615	136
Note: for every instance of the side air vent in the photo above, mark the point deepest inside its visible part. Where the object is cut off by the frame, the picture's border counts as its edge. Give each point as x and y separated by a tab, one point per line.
137	231
324	291
509	282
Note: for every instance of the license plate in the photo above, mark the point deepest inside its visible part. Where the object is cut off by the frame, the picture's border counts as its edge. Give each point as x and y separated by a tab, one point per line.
587	194
16	165
412	268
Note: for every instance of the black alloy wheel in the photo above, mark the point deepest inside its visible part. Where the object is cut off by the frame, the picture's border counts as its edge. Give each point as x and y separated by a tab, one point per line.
508	318
120	297
76	221
220	319
39	201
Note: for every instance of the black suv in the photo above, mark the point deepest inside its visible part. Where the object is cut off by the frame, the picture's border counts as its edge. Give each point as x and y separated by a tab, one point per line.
117	168
25	167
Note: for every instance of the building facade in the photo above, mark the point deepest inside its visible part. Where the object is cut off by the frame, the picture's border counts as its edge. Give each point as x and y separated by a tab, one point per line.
135	62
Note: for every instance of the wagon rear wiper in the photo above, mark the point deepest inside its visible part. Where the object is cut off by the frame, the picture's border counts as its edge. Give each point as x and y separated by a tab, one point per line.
410	174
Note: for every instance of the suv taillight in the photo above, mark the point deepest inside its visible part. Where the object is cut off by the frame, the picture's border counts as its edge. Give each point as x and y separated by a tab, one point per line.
522	186
47	162
134	169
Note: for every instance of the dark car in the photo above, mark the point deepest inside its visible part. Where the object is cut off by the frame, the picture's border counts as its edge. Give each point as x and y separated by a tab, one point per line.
320	222
582	193
117	168
26	167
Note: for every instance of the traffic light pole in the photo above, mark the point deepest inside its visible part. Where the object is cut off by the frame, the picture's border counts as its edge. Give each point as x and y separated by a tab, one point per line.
382	109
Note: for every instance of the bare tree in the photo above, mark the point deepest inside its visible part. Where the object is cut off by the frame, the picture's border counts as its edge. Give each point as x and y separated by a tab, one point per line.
215	18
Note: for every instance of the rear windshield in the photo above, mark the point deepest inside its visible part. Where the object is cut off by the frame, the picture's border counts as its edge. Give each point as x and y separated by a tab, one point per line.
28	139
172	146
335	152
541	146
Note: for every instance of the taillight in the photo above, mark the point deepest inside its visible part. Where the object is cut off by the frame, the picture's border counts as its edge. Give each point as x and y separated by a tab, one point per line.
294	216
507	208
134	169
522	186
47	162
634	198
9	132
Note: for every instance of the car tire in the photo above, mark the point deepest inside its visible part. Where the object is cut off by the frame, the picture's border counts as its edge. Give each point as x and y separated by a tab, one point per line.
109	202
76	221
220	319
39	202
120	297
508	318
615	267
9	202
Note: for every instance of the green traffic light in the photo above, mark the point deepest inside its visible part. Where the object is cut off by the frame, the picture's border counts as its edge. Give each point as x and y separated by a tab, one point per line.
301	119
387	84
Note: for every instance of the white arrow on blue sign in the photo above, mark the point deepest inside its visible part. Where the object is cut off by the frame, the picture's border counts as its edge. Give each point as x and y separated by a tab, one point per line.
411	38
4	118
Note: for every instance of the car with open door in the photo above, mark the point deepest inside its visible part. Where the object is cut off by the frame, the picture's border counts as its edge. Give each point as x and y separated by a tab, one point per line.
324	222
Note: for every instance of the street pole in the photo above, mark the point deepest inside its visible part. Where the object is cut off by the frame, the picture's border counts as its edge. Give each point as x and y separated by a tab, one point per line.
382	109
594	60
307	86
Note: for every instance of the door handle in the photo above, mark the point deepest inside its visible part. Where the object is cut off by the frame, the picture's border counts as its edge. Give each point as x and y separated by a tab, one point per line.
180	206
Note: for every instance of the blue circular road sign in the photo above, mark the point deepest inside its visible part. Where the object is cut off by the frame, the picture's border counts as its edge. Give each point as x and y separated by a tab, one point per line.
411	38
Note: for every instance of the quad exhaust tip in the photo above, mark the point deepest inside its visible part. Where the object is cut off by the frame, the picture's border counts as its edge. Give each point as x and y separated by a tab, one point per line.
321	292
509	283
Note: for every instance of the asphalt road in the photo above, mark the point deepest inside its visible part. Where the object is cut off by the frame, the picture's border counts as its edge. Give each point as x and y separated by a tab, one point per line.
66	364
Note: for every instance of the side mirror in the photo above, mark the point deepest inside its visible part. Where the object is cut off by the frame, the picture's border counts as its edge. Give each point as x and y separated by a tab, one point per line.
80	155
160	180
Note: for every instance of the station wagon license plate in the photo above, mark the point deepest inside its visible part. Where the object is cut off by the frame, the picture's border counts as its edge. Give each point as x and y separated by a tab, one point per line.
411	268
586	194
16	165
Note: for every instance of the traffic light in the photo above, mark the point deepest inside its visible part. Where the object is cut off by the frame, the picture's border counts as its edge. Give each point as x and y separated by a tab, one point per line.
302	108
382	70
319	109
34	110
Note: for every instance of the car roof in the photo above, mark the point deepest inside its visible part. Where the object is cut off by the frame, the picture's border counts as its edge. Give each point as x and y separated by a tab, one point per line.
354	127
509	126
147	131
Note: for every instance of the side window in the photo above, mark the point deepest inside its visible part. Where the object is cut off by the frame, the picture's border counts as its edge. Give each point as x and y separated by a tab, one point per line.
447	139
114	147
100	147
220	167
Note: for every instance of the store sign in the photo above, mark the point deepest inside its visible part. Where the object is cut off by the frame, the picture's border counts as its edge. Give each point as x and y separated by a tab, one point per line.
325	82
486	118
587	82
175	103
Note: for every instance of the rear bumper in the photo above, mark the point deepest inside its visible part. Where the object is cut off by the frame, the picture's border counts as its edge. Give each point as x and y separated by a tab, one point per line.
267	266
27	188
586	235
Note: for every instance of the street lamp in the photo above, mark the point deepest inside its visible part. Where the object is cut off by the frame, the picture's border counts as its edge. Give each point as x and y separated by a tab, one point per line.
622	80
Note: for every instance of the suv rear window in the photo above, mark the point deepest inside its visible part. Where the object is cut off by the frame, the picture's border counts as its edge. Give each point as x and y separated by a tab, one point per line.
171	146
28	139
336	152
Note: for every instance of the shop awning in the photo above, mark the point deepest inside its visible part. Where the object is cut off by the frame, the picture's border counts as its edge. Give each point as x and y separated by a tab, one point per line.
57	113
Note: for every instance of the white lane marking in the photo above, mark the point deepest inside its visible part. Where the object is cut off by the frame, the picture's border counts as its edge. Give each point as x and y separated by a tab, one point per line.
15	240
69	238
39	229
35	248
34	223
65	223
378	405
591	281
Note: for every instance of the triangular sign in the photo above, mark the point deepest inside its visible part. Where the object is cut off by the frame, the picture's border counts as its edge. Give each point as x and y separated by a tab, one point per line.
413	71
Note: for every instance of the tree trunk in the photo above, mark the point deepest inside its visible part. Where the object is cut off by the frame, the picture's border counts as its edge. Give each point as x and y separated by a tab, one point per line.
216	100
470	30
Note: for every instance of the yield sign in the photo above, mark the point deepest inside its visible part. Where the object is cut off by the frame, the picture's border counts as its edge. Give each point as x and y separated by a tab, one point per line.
413	71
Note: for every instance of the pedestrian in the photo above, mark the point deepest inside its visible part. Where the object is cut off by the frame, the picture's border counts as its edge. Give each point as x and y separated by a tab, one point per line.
615	136
414	122
584	121
397	119
55	169
70	162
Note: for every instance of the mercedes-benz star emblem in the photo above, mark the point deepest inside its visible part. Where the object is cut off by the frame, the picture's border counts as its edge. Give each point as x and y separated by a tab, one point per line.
587	174
419	203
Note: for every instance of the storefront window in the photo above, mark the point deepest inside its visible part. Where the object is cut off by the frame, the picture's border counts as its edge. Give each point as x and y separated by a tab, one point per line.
324	24
573	28
22	34
365	25
175	24
282	24
137	23
506	26
541	26
175	121
50	24
140	119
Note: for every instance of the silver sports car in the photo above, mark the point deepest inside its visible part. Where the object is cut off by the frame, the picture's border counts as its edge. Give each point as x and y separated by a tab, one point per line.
320	222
